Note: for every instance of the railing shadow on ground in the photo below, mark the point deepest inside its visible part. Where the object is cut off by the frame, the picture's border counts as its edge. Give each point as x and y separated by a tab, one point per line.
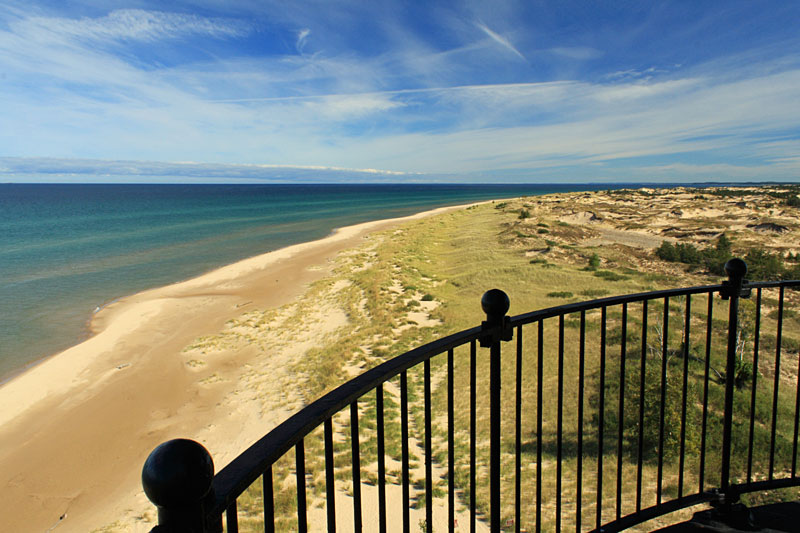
619	414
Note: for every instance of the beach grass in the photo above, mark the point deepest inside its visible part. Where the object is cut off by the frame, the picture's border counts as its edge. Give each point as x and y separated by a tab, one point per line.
412	284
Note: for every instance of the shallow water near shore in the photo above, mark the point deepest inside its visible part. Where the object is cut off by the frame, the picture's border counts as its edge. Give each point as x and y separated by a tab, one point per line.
68	250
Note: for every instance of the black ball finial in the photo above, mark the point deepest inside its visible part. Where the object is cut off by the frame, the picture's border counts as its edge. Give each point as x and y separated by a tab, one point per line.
736	269
177	473
495	303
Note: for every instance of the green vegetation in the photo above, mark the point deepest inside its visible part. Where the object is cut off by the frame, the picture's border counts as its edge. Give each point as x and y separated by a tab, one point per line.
594	262
559	294
711	258
610	276
409	265
761	264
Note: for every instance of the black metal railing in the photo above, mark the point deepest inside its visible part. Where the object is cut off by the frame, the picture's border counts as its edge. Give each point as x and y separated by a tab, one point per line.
625	409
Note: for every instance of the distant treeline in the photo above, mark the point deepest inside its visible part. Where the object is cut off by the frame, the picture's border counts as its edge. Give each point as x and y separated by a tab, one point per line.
786	194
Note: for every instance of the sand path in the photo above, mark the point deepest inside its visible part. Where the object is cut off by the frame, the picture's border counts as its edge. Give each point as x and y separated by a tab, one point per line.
76	428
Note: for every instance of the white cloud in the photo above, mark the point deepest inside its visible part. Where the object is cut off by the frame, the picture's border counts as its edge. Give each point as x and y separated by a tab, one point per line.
413	107
633	91
349	107
188	169
302	38
127	24
499	39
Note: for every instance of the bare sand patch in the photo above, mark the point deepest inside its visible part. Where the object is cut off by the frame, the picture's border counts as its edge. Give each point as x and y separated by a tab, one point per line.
635	239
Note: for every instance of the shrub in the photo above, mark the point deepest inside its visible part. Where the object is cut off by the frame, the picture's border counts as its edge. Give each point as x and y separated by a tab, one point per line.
610	276
762	265
524	213
559	294
594	293
667	252
742	373
712	258
688	253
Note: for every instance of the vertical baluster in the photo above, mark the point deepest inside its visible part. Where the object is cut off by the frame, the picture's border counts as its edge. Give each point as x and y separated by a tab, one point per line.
686	340
621	413
495	304
428	451
539	382
642	382
356	451
232	518
404	446
472	440
601	418
560	418
518	435
300	463
581	377
778	341
736	270
451	464
796	417
330	479
664	356
751	438
704	424
381	460
269	501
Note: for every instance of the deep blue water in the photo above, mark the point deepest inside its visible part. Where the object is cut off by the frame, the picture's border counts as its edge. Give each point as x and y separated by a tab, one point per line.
66	250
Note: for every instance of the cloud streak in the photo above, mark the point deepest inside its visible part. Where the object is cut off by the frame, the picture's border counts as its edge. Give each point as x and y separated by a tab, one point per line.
128	24
499	39
44	167
377	91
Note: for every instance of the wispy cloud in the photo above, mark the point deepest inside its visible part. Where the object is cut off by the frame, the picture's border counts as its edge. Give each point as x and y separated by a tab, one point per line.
289	86
128	24
302	38
499	39
45	167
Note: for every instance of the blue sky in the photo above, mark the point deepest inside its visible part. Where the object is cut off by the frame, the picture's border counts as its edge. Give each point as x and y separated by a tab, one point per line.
529	91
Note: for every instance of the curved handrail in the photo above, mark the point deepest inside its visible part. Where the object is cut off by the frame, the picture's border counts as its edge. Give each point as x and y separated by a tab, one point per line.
246	468
551	312
250	464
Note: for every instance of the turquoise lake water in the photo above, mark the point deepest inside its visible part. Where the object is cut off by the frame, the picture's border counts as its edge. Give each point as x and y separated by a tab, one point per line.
67	250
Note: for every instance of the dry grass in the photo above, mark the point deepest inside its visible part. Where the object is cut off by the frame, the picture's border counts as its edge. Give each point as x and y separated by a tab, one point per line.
381	283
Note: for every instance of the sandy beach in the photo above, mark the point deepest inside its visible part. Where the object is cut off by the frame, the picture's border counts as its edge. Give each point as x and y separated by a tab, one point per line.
219	358
76	428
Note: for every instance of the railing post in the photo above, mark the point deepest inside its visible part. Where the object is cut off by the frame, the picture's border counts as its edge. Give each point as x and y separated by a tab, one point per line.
733	290
496	329
177	478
